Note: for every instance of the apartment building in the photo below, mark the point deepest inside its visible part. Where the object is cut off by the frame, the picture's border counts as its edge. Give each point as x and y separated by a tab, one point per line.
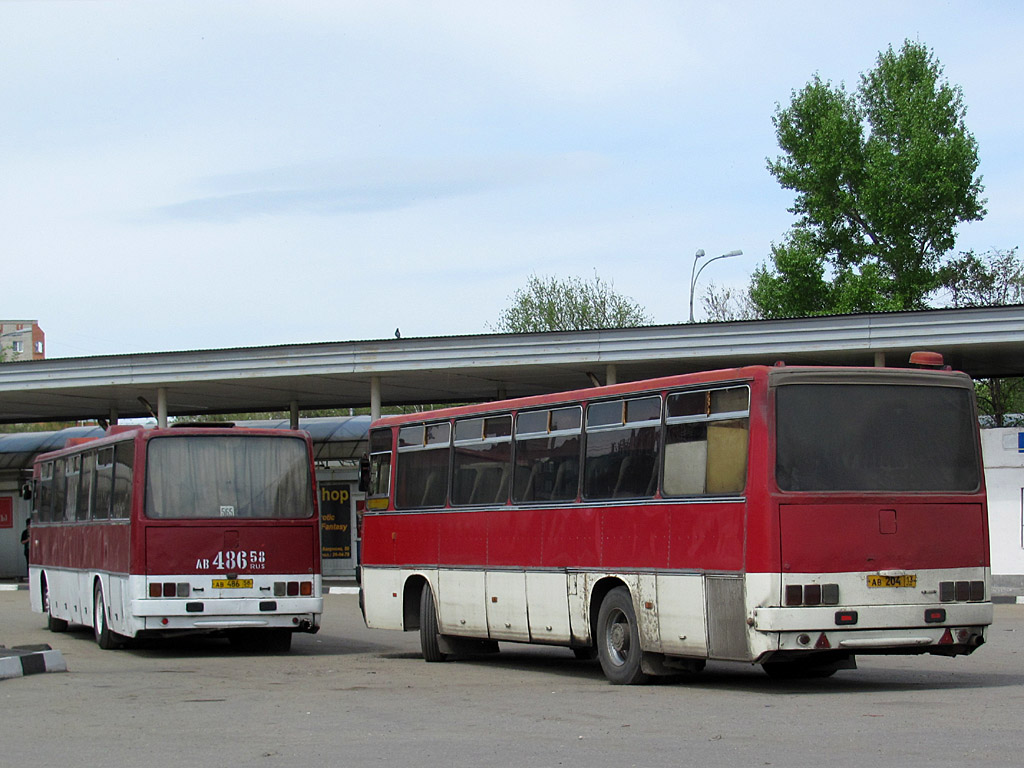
21	340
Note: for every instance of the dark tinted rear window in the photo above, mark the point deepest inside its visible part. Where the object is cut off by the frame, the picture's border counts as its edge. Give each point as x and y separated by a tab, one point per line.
875	437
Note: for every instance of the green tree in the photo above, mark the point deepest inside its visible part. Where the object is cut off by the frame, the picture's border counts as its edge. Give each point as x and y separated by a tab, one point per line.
723	304
992	279
882	178
550	304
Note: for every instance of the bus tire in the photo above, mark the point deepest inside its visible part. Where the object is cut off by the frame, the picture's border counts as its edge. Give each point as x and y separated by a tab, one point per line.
429	635
105	638
52	622
618	639
278	640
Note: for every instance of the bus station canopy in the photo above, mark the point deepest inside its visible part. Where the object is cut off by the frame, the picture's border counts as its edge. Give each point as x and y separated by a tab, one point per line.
984	342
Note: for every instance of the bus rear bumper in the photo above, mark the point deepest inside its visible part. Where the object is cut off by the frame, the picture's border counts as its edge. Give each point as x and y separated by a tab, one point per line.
872	617
300	614
946	629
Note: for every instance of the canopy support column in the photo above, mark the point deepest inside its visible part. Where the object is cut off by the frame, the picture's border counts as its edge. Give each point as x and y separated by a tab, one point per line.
161	407
374	397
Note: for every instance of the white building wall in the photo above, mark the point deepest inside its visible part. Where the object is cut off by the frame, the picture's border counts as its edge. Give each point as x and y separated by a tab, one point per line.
1003	452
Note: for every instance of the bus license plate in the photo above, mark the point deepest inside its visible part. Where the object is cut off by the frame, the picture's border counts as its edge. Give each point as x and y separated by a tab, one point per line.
232	583
904	580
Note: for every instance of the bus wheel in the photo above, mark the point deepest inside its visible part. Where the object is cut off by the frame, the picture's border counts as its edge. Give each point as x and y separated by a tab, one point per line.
278	640
52	622
618	639
429	636
105	638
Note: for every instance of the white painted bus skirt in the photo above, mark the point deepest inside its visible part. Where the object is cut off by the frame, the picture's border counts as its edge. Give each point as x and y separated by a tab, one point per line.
30	660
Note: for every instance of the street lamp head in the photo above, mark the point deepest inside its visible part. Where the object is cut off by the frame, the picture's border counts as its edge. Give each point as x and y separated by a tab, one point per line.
695	273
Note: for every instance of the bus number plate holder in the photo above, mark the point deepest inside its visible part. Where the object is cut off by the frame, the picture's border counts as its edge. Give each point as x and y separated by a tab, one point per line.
903	580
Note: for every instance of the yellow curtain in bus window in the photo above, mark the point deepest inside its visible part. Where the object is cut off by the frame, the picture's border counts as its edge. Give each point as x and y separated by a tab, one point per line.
335	520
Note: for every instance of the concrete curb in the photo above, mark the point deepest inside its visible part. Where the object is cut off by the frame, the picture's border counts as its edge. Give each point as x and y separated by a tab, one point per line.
30	660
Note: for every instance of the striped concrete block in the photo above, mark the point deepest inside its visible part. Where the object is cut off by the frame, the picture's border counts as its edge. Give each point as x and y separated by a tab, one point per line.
30	660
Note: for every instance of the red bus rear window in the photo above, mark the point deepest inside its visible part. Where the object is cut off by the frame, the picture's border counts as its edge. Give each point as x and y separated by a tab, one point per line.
243	476
873	437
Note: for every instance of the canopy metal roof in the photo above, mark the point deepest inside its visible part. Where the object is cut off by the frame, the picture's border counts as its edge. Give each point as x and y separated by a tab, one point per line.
983	342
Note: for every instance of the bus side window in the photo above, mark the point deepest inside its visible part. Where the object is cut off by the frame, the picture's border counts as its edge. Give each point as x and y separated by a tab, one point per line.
547	455
124	461
482	460
378	480
423	458
85	486
44	494
57	508
72	473
622	448
706	438
104	484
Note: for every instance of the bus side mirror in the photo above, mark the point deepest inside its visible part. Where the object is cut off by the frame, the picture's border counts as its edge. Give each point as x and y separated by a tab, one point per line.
26	491
364	474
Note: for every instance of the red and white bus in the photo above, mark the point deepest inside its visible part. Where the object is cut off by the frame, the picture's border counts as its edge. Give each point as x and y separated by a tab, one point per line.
161	531
794	517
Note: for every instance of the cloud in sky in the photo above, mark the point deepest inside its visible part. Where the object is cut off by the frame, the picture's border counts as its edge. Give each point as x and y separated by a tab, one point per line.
189	175
365	185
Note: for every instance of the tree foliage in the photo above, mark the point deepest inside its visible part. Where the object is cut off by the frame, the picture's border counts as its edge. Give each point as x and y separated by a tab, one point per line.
992	279
882	178
551	304
725	304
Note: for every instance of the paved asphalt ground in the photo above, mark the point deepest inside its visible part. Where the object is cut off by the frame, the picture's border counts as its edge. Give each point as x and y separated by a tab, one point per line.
350	696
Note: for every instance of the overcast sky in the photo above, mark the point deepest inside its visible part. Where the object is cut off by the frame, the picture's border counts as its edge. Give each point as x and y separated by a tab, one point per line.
182	175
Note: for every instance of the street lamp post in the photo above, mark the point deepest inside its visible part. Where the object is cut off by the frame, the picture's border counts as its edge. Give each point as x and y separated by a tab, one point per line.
695	273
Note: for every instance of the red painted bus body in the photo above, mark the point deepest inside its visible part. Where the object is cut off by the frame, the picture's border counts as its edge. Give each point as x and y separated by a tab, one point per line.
738	547
164	531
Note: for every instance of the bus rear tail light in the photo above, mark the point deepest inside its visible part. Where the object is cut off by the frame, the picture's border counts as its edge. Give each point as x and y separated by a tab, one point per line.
170	589
812	594
293	588
961	591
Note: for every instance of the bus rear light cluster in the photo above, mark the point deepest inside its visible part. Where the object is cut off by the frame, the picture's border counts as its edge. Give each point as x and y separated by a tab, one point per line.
821	644
293	588
812	594
961	591
170	589
961	636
